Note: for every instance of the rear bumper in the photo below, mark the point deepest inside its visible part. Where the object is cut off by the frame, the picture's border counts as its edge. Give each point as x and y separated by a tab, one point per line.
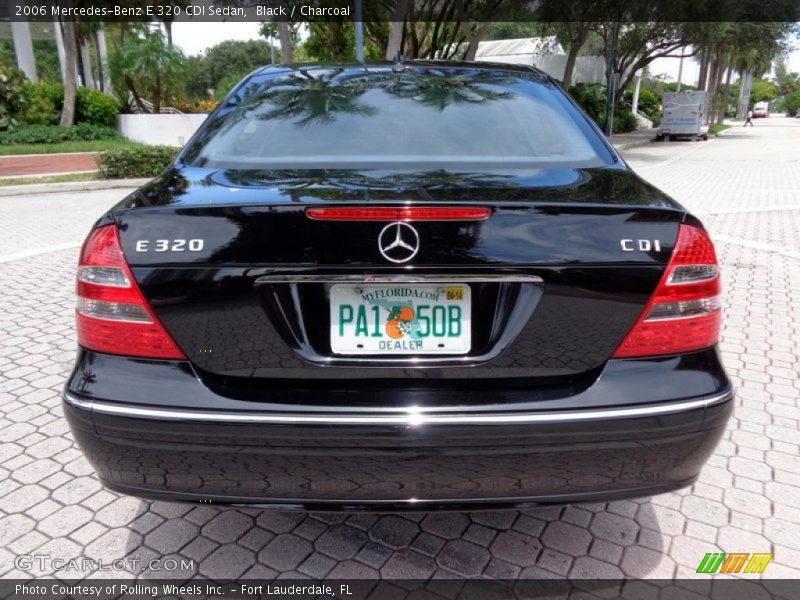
417	456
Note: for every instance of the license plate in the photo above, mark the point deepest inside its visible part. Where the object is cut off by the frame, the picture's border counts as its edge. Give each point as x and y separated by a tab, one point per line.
401	318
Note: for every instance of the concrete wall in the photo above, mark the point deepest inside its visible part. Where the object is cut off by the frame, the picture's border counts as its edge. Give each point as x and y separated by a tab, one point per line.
167	130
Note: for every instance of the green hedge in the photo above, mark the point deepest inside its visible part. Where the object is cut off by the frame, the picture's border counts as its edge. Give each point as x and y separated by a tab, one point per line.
11	97
95	107
792	102
53	134
142	161
592	98
649	104
43	102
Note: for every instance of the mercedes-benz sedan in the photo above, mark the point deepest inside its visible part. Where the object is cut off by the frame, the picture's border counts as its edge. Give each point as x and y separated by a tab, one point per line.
401	286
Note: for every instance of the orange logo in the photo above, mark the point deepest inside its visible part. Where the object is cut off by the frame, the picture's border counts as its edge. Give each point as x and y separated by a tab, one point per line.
398	323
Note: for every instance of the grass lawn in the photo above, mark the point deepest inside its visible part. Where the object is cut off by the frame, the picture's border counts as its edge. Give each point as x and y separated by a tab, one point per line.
76	146
717	128
50	179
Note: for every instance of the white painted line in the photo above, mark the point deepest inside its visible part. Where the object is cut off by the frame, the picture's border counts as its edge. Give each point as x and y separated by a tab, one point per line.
37	251
725	239
35	175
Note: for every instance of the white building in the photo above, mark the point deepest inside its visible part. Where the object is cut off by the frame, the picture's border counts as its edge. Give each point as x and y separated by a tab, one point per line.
544	53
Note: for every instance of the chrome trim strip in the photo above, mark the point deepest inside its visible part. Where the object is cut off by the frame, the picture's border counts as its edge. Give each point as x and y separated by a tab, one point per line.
412	417
409	278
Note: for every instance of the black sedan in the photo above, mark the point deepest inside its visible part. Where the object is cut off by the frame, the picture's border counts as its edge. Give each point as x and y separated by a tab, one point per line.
399	286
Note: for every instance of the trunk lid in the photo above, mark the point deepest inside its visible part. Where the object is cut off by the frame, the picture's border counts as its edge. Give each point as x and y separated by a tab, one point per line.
241	277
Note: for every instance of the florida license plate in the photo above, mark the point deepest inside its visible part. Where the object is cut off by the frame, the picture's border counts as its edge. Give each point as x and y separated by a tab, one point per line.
401	318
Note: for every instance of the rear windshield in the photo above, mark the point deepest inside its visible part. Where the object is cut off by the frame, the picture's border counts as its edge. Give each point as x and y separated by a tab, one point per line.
437	118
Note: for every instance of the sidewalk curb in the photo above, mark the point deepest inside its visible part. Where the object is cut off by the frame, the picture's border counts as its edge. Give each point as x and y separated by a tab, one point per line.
628	145
68	186
632	139
4	156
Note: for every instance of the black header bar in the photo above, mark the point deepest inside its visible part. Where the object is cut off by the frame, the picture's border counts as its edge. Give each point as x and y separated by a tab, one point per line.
424	10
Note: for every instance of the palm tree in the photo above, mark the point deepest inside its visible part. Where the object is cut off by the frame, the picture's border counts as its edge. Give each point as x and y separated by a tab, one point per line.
285	38
395	43
439	89
314	99
750	63
147	63
70	85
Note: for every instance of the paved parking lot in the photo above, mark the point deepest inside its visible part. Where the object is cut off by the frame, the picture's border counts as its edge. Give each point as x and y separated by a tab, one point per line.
746	187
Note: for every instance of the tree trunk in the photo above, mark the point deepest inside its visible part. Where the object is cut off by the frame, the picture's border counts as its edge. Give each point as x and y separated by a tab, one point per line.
285	37
70	55
157	95
703	77
475	37
23	48
727	97
86	64
396	29
102	60
709	88
746	78
572	56
136	97
59	35
168	29
715	79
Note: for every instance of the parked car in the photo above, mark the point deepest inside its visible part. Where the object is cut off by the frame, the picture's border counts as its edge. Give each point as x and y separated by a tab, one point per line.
761	110
402	286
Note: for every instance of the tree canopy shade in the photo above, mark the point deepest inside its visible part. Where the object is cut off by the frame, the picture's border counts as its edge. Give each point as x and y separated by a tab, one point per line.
229	60
787	82
792	102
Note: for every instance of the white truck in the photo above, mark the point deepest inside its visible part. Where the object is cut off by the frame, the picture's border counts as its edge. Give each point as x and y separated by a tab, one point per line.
683	114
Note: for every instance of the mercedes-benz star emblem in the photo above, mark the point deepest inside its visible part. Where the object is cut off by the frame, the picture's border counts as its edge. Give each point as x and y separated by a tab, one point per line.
398	242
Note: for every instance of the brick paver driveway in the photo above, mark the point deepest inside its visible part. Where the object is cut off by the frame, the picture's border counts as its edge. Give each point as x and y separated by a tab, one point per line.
746	187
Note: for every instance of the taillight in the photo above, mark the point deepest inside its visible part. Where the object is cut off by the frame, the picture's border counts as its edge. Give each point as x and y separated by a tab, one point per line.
684	313
399	213
112	315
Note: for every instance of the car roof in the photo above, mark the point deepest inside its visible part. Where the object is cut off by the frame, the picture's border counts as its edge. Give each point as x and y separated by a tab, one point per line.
418	63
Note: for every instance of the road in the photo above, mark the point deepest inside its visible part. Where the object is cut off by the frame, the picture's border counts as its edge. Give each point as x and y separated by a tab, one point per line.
744	185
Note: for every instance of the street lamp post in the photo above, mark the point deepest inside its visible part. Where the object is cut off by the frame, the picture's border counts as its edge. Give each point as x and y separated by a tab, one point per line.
611	82
359	26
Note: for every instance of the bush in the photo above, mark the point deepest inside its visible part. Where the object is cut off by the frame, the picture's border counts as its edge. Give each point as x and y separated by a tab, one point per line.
197	106
592	98
42	103
624	120
226	84
11	97
141	161
90	131
792	102
53	134
649	104
95	107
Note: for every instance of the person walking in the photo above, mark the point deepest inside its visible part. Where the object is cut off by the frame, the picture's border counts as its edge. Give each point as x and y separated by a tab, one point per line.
749	120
